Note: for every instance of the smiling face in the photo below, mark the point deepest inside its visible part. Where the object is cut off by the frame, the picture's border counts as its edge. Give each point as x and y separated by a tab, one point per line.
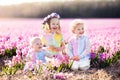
79	30
36	44
54	25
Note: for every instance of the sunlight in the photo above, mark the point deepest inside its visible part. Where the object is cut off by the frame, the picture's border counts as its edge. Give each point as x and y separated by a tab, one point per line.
11	2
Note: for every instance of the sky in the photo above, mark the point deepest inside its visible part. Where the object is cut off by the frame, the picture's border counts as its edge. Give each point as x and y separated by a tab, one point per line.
11	2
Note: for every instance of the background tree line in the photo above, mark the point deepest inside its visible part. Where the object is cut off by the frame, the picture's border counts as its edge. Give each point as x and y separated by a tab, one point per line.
67	9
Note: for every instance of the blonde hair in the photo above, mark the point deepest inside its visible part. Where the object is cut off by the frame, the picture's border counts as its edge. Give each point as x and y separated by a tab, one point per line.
47	28
33	39
75	23
46	22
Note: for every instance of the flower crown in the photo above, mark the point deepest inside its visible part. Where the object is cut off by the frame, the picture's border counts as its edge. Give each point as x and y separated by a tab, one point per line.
52	15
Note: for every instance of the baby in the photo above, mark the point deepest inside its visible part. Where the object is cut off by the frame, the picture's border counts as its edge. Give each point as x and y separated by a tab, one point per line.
36	55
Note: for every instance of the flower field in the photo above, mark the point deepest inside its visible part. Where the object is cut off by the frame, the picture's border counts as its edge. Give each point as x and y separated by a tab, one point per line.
104	35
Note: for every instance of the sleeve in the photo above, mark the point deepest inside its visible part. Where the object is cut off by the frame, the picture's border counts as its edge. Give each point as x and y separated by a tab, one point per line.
47	54
69	50
87	48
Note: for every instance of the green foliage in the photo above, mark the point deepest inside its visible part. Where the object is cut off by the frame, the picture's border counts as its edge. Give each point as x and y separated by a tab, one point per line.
49	66
1	55
10	52
101	49
105	63
116	57
64	66
95	61
39	69
6	70
98	63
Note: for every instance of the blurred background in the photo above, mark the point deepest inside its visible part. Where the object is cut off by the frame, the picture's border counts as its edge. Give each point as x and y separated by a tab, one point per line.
66	8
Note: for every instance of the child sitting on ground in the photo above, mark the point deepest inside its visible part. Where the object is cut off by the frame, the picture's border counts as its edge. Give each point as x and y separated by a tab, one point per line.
36	55
79	47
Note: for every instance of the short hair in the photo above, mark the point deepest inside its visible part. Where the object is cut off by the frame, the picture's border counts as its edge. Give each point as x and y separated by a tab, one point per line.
32	40
75	23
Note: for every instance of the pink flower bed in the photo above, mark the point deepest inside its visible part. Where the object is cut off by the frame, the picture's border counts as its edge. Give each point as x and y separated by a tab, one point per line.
16	33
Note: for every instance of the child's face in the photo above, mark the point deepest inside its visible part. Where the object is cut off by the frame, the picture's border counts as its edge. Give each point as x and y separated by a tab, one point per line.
37	45
79	30
54	25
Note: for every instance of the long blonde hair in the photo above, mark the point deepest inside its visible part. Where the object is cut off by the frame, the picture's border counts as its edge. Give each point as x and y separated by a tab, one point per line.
46	23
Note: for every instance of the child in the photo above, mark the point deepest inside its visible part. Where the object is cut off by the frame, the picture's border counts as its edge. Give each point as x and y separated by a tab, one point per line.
79	47
52	37
36	55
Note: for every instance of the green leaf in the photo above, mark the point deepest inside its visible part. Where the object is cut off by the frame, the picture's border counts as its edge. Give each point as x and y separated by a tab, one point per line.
59	68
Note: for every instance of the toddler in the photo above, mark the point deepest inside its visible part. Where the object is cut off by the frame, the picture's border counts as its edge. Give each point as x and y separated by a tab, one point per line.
79	47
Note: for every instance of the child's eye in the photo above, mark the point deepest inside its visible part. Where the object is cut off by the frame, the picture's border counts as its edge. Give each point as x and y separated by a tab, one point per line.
40	43
53	23
37	43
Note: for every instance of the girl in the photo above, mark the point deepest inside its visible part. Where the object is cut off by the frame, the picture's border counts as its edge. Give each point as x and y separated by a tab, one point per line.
52	37
79	47
36	55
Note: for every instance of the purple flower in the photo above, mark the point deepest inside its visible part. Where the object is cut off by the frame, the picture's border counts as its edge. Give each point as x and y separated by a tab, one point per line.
24	52
2	47
103	56
18	52
92	55
1	40
16	59
7	38
59	76
55	15
20	37
44	20
10	63
52	15
2	51
48	17
13	44
34	35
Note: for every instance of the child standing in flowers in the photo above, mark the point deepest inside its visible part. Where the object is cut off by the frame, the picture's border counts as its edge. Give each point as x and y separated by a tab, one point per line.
52	37
79	47
36	55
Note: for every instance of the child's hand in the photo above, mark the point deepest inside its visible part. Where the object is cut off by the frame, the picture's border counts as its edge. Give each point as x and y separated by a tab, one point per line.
39	62
60	49
75	58
51	48
57	49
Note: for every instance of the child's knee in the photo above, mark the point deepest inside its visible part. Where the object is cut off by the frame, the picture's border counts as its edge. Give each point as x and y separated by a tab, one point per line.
74	67
84	68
